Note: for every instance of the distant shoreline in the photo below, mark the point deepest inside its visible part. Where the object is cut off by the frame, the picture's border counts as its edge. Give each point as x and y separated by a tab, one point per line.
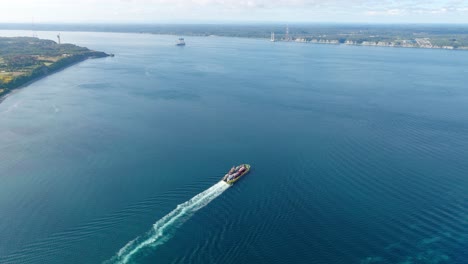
427	36
295	40
374	44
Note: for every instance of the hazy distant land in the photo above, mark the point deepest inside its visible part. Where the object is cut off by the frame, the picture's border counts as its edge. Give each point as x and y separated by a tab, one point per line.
445	36
23	59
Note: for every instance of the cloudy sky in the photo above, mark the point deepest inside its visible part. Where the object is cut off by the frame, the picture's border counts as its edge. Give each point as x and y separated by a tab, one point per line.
183	11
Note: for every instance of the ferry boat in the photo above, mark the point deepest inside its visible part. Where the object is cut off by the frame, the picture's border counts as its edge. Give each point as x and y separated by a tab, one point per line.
235	173
181	42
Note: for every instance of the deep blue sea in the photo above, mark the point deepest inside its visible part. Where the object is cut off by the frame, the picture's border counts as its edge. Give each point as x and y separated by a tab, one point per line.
358	154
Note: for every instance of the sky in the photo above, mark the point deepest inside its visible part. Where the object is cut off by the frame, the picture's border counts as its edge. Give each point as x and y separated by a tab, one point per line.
228	11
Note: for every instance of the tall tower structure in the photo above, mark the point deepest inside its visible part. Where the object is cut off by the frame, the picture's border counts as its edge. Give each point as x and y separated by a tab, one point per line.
286	36
272	39
58	38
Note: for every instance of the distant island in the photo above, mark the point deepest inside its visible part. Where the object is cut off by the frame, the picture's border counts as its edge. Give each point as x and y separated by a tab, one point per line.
431	36
24	59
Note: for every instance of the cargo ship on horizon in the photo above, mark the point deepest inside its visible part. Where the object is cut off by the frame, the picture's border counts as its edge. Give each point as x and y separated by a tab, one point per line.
181	42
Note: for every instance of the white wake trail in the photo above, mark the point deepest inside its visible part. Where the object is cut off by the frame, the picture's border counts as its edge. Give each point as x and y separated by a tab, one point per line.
164	228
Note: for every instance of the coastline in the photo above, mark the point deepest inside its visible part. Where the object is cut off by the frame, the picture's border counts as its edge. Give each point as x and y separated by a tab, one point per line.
75	59
374	44
433	36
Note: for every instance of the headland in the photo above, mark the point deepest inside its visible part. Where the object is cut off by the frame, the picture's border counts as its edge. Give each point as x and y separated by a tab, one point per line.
25	59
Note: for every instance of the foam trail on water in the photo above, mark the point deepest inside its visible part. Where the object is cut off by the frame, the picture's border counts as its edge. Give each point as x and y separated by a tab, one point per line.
164	228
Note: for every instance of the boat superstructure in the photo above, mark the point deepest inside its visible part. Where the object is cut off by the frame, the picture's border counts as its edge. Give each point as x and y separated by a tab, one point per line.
235	173
180	42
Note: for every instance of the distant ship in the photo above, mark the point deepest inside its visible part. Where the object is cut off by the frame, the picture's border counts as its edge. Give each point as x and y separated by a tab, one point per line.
181	42
236	173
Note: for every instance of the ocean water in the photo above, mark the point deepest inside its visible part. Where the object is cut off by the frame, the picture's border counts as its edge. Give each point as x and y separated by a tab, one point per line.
358	154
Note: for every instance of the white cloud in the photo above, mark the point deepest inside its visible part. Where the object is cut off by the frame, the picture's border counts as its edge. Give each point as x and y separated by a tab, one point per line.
229	10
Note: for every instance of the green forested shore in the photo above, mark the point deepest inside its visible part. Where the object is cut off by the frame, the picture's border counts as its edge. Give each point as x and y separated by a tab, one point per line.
24	59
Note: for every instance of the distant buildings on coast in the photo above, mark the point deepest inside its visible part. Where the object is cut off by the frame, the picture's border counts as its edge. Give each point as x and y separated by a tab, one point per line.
371	40
286	36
